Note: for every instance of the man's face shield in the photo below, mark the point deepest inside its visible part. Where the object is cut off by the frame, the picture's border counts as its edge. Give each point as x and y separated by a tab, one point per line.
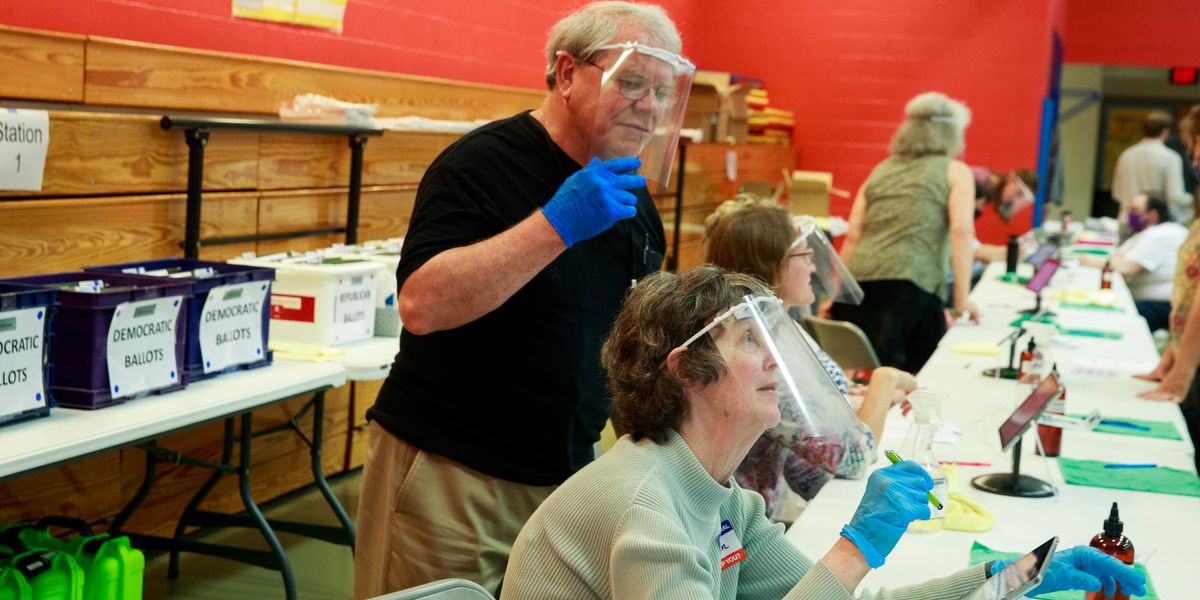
640	107
769	358
832	280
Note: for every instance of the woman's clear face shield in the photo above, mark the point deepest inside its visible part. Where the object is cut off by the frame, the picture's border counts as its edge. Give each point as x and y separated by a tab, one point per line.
640	107
832	280
758	331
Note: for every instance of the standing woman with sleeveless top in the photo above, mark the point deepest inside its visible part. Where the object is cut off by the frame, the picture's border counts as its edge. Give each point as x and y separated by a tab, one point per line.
911	220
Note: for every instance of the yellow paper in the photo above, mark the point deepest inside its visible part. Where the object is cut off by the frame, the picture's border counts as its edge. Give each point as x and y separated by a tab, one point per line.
322	14
304	352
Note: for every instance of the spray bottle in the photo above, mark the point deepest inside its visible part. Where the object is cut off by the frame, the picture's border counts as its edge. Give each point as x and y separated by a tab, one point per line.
918	447
1113	543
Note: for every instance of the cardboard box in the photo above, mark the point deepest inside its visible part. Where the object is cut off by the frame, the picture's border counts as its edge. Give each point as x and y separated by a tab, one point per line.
717	107
809	193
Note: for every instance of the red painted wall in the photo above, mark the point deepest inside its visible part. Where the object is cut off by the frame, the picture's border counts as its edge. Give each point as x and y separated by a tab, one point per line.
493	41
1147	32
847	69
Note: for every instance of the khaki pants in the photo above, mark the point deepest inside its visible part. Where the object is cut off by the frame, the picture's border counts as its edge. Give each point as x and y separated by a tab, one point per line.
424	517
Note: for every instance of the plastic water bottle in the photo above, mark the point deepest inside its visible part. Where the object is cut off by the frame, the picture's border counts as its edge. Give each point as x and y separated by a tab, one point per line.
918	447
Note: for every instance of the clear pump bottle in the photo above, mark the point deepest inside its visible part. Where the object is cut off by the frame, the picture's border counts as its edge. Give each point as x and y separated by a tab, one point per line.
918	447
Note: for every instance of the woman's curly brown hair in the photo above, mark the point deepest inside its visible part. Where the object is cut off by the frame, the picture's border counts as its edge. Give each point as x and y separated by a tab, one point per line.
659	315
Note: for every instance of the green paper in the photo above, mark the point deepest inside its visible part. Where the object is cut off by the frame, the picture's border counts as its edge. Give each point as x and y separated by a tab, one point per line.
1160	480
1154	429
981	553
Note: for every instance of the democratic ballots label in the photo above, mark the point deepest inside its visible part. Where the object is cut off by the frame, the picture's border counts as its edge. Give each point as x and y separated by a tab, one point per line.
141	346
24	137
354	307
22	339
231	325
729	548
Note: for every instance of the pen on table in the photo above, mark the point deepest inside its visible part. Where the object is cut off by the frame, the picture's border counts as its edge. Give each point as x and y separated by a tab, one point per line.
965	463
1124	424
895	459
1130	466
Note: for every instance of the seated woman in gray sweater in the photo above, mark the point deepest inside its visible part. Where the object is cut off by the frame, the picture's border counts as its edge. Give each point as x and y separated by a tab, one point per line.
660	515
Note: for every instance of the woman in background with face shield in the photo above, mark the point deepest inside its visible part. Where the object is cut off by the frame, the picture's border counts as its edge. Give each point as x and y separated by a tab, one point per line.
757	237
697	363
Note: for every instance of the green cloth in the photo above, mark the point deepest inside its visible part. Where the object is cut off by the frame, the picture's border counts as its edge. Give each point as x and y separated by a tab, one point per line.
1040	318
1043	318
1082	306
906	231
1154	429
1160	480
981	553
1013	278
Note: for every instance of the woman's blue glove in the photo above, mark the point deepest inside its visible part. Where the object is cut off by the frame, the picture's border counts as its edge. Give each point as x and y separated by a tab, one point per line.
1087	569
594	198
895	496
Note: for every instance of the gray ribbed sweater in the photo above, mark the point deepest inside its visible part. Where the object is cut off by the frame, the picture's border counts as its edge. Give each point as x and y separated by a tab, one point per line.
642	522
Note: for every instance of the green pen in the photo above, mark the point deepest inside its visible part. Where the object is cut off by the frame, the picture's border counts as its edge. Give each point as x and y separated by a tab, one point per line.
895	459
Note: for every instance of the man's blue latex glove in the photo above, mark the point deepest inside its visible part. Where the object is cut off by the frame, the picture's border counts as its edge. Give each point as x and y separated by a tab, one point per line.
895	496
594	198
1087	569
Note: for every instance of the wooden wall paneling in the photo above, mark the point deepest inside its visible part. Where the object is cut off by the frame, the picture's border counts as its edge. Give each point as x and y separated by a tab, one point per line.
385	211
89	489
136	74
290	161
401	157
45	236
113	153
38	65
298	210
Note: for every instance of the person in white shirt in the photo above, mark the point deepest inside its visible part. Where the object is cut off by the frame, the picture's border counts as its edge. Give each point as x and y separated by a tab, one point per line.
1147	259
1149	167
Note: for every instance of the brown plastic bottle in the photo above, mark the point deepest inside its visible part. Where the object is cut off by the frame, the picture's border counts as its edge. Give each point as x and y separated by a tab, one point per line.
1106	276
1112	542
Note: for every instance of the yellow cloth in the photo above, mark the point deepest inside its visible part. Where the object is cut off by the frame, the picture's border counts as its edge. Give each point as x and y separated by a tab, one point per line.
979	348
962	513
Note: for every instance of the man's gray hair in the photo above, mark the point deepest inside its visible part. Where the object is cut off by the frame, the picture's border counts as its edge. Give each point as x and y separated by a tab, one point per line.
582	32
934	125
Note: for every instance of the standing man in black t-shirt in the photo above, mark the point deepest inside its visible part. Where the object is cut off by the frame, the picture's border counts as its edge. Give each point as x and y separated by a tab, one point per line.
525	236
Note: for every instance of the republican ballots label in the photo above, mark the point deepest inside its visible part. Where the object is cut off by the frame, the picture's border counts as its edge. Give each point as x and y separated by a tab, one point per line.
141	346
231	325
22	343
354	307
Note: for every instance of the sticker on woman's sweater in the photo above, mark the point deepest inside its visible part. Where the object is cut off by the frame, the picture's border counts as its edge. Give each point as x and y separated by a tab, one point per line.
728	545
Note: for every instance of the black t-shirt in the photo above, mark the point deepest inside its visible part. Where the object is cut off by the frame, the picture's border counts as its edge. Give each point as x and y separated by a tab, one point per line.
518	393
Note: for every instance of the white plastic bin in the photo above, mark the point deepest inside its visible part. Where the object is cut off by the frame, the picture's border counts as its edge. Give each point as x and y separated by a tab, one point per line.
322	300
387	253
